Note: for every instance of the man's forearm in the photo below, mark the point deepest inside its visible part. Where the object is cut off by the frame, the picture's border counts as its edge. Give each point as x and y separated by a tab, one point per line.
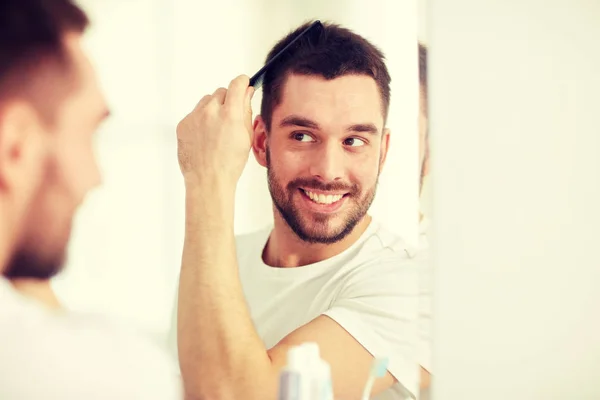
221	355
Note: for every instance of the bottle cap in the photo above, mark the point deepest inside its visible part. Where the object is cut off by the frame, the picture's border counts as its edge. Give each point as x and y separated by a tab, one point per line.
296	358
313	356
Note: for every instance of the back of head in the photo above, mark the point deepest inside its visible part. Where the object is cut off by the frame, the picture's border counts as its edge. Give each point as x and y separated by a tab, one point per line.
332	52
31	45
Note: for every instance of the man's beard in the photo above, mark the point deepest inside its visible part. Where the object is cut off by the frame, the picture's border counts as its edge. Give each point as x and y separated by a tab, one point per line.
283	201
29	263
40	253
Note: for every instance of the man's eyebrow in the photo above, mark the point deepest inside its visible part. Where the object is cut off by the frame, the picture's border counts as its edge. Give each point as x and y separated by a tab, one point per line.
367	128
296	120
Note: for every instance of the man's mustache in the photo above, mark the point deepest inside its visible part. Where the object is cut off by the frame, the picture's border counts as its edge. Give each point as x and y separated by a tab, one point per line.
316	184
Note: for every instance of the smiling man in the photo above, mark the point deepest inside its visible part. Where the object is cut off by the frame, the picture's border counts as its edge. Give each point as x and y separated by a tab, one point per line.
325	272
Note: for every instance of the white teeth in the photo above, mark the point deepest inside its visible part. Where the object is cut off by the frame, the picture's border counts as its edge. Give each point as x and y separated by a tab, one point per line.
323	198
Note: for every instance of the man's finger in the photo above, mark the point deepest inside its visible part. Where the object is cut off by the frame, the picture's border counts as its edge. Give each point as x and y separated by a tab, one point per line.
203	101
248	111
219	95
248	100
236	93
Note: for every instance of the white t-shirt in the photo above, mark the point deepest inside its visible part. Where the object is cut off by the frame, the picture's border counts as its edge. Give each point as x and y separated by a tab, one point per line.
60	355
371	290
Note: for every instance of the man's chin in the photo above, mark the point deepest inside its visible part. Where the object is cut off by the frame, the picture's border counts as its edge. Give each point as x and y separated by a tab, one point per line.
314	227
323	232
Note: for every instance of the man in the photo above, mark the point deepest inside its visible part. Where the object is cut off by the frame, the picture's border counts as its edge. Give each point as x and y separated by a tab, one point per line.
50	106
325	272
423	256
423	123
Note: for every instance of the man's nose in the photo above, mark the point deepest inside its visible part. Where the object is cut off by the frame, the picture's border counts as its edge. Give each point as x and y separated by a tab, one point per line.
95	177
328	162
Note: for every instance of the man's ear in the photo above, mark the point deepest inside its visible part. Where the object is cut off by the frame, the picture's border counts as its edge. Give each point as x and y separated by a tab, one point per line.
21	145
385	144
260	141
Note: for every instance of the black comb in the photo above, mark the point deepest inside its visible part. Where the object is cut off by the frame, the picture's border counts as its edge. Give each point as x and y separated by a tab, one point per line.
257	79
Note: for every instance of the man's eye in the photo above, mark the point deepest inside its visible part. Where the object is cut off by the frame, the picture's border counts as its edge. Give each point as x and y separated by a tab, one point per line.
302	137
354	142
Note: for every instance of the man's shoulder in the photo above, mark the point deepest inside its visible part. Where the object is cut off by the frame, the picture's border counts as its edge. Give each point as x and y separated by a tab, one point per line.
381	244
106	358
383	258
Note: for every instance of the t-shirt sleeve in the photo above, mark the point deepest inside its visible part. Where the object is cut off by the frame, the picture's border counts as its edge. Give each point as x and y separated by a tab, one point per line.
379	305
84	358
151	368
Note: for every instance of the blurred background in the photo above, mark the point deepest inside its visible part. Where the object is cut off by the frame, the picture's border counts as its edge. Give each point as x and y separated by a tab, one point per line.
155	60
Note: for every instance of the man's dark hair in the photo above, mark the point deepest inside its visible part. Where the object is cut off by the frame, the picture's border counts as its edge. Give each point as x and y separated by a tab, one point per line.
332	52
31	41
423	69
422	65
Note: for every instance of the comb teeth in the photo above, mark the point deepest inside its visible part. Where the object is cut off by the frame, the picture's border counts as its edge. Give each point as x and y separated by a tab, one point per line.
257	81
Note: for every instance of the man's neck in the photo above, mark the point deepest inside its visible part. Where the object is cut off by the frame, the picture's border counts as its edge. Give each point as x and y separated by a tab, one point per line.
285	249
40	290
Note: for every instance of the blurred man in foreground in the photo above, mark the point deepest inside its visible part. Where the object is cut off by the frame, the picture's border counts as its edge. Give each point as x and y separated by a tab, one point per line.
50	106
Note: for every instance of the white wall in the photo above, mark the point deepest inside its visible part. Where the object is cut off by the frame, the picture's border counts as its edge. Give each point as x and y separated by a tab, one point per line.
516	142
156	58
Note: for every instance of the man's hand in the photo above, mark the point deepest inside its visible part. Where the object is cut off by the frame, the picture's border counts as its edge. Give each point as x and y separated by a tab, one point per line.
214	140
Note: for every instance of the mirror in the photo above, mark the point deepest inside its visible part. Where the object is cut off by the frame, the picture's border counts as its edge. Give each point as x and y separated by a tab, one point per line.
125	254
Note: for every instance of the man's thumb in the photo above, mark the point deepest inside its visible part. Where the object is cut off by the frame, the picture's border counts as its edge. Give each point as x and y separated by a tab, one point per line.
248	99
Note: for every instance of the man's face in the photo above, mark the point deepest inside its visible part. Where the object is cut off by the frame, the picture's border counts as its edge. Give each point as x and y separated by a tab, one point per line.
69	172
324	153
423	137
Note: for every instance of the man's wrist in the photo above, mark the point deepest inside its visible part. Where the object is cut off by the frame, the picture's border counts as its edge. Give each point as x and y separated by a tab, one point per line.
210	188
210	180
209	203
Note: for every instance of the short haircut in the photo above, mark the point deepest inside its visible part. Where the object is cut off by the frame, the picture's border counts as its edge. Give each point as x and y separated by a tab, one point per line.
334	52
423	70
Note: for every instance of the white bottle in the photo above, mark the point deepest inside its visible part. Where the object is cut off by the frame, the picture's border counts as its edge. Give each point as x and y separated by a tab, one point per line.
319	371
313	358
293	381
306	376
323	380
